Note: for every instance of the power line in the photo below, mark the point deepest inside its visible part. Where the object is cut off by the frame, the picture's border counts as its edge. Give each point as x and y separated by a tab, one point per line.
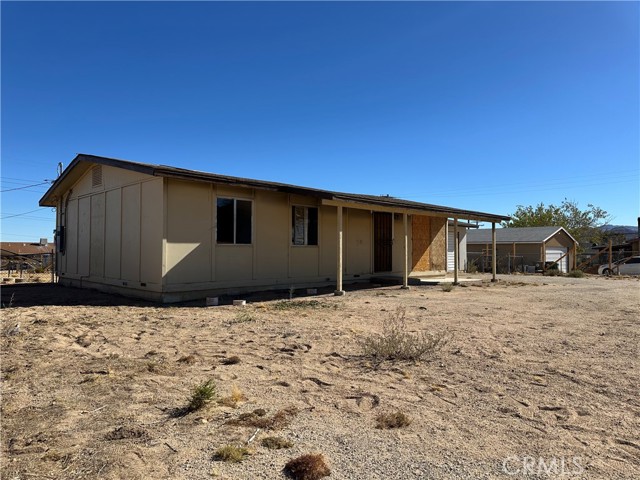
27	186
19	214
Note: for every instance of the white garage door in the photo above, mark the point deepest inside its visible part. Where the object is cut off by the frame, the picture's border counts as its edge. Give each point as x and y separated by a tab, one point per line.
554	253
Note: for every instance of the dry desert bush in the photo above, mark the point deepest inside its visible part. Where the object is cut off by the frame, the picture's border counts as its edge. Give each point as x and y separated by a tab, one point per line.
397	343
231	453
311	466
386	421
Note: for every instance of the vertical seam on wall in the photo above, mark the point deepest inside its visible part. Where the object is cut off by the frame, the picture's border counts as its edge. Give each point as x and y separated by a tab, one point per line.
140	234
121	232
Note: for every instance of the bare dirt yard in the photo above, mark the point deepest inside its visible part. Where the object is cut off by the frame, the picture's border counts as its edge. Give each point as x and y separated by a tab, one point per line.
539	378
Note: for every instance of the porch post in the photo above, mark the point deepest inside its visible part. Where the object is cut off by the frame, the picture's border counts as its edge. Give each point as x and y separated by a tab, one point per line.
493	251
405	275
456	251
339	291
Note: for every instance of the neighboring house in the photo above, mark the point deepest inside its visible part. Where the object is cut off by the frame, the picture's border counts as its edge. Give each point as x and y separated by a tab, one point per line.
172	234
462	244
17	255
521	247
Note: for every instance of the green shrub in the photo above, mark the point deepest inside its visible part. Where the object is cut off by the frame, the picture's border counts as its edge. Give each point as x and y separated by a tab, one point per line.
202	395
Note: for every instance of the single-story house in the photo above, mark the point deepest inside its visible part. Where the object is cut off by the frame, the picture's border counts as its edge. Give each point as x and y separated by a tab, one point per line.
171	234
521	247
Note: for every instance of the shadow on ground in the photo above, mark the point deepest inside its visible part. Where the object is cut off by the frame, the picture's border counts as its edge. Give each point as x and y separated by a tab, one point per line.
33	295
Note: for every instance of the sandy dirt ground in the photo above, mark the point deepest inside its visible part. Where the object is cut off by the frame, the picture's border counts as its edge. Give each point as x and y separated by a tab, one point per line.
539	379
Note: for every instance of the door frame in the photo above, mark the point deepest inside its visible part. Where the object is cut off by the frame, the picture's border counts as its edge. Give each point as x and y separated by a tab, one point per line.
387	261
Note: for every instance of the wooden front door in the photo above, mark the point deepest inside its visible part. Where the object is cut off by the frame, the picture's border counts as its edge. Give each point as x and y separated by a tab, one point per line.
382	241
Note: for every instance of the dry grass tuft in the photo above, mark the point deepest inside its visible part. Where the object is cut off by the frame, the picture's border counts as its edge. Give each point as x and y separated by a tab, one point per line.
237	395
234	360
307	467
258	419
387	421
447	287
188	360
230	453
397	343
276	443
576	274
298	304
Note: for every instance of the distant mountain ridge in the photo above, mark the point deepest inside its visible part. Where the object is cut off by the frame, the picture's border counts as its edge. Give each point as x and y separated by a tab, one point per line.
629	231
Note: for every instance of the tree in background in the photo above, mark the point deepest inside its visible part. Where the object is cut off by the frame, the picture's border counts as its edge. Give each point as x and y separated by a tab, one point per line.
583	225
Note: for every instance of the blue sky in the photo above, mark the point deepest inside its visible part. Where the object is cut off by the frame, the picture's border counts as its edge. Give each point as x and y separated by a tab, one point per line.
479	105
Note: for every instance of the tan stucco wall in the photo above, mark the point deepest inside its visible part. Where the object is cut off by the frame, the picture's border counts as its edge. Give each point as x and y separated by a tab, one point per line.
114	230
195	260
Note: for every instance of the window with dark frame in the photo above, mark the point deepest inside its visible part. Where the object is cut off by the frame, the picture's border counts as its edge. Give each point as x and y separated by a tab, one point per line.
233	221
304	225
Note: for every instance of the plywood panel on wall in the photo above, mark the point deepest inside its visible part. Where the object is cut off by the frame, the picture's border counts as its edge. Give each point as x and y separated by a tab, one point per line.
421	240
112	233
438	248
130	265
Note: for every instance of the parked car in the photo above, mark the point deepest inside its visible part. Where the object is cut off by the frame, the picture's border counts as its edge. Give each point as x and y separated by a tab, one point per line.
626	266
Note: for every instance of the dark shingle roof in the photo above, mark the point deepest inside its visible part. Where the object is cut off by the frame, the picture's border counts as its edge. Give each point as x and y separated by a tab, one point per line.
174	172
513	234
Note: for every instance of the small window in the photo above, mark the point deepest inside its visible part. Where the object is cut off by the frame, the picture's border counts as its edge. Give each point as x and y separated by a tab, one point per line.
633	260
234	221
304	225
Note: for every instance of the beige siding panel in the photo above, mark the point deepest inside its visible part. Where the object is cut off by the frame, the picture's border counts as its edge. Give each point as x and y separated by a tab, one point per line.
84	235
97	235
113	177
130	259
71	231
234	263
358	242
304	262
189	228
83	186
560	239
328	241
151	232
272	236
234	192
112	233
